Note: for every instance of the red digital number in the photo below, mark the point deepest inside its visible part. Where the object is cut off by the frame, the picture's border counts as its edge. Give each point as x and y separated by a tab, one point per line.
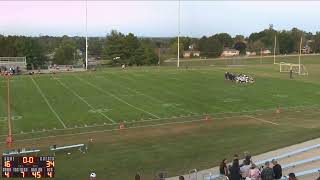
23	174
27	160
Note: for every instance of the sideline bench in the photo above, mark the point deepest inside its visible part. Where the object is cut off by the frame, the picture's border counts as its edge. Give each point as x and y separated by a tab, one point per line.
81	147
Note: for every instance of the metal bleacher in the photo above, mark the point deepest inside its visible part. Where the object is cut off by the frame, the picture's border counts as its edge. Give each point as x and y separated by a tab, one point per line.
211	176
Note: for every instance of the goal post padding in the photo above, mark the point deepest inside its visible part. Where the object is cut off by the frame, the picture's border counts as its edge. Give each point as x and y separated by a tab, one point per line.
296	68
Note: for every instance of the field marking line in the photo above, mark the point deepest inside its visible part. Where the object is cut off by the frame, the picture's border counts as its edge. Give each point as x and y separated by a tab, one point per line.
179	87
182	116
150	97
83	100
111	130
116	97
46	100
262	120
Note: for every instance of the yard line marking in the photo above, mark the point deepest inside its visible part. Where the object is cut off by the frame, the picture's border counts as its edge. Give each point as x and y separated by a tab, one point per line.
262	120
46	100
111	130
83	100
116	97
148	96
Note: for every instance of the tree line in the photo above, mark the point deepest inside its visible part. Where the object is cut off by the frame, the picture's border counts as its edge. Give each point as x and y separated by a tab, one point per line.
119	48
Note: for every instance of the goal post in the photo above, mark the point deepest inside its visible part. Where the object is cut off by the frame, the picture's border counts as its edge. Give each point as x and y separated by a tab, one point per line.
13	61
296	68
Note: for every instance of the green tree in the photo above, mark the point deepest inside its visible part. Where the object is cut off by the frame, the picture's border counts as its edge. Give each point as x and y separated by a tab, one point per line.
240	46
65	54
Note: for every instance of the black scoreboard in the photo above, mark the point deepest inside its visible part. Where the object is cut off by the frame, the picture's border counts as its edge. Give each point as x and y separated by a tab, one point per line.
27	167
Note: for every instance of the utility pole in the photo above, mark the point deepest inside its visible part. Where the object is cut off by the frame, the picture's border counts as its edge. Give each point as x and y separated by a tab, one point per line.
86	36
10	137
178	62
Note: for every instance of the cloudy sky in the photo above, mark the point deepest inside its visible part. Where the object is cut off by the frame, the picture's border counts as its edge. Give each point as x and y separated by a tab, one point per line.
155	18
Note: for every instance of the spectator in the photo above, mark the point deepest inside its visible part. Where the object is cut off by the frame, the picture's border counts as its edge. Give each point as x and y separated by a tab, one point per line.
181	178
277	169
267	173
223	168
319	175
247	160
292	176
254	172
137	177
235	170
235	157
244	169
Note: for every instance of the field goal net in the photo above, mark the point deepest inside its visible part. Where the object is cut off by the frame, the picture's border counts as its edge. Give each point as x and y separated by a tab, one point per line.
13	62
296	68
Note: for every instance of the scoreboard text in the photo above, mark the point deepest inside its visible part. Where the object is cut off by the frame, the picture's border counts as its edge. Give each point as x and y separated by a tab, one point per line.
27	167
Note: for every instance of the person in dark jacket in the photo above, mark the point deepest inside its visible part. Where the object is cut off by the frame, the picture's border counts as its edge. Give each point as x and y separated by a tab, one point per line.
292	176
277	169
223	168
235	170
267	172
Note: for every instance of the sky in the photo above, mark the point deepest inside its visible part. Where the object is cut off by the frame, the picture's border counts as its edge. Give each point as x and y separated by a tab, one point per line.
155	18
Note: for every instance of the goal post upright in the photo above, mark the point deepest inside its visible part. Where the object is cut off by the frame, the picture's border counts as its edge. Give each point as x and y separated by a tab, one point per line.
274	49
300	55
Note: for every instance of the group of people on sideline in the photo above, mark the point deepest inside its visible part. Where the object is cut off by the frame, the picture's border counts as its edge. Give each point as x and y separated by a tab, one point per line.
249	171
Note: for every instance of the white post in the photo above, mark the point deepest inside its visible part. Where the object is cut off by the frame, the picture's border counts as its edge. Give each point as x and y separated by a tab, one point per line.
86	36
300	56
274	49
261	56
178	62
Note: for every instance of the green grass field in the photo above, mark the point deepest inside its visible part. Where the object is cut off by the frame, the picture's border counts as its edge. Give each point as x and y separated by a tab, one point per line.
164	110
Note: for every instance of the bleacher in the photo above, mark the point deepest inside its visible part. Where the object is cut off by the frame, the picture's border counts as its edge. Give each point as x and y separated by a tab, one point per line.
304	162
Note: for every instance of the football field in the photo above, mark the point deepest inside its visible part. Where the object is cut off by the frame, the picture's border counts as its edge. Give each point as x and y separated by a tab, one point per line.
168	106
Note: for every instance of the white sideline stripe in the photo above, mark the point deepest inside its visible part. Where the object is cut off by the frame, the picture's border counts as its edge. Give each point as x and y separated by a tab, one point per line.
49	105
136	121
107	130
150	97
187	116
116	97
262	120
83	100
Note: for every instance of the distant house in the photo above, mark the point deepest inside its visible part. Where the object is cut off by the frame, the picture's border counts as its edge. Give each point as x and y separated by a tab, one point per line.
266	52
230	53
248	53
188	54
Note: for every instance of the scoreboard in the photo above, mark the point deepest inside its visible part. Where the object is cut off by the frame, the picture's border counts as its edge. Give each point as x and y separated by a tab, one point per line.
27	167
